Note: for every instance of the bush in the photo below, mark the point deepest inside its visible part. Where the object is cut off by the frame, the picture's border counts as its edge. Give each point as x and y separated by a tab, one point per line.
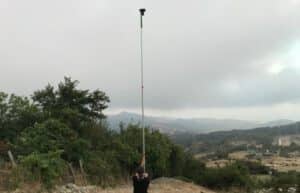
284	180
254	167
44	167
192	168
100	171
223	178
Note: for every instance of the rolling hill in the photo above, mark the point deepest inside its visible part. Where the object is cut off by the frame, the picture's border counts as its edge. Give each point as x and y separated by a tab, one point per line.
220	140
193	125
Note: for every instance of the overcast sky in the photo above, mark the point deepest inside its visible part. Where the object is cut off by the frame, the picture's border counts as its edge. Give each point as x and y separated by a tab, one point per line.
203	58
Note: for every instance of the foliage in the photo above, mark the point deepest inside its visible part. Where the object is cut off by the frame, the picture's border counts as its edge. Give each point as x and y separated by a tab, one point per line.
224	142
192	168
234	175
254	168
46	167
16	114
102	169
177	160
284	180
63	125
70	104
50	135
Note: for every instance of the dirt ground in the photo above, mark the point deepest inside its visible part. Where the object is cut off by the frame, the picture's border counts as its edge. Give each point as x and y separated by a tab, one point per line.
217	163
162	185
239	155
283	164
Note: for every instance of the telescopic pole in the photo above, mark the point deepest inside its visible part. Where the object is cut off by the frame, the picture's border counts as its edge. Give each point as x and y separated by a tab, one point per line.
142	13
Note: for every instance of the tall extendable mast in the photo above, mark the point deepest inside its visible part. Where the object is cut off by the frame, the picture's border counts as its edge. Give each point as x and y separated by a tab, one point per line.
142	13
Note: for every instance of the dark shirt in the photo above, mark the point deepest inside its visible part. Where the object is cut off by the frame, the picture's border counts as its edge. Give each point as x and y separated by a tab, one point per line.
140	185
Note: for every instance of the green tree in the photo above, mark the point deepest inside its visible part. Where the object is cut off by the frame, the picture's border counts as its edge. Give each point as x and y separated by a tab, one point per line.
50	135
16	114
71	105
47	167
3	115
158	150
192	168
176	160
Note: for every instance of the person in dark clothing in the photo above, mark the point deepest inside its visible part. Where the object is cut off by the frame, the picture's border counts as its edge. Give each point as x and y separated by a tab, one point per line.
141	181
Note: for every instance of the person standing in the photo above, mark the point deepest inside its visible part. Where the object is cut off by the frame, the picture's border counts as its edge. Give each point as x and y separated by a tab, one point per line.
141	181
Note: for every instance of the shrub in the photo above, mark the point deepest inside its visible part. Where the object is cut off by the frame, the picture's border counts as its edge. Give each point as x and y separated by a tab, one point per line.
223	178
285	180
44	167
100	171
254	167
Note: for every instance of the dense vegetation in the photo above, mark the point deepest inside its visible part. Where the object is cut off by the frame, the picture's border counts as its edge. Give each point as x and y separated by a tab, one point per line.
284	181
57	127
61	127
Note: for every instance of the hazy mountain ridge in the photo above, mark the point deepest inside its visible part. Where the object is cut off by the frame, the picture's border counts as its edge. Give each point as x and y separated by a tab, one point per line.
193	125
240	139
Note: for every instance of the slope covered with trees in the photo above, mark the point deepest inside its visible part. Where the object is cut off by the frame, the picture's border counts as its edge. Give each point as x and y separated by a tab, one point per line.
57	127
236	139
64	127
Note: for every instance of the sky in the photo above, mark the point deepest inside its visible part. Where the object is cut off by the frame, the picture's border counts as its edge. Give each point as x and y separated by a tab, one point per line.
210	59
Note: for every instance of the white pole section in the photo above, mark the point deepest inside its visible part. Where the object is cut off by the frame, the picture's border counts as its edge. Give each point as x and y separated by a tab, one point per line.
142	13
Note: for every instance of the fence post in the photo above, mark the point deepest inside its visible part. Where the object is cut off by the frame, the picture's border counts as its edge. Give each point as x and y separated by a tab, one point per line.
12	160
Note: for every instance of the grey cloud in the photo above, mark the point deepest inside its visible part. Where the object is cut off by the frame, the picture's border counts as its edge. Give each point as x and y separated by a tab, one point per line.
191	49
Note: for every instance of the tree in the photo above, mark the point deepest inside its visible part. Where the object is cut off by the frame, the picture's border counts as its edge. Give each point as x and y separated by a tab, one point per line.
51	135
67	124
158	150
70	104
3	115
16	114
176	160
192	168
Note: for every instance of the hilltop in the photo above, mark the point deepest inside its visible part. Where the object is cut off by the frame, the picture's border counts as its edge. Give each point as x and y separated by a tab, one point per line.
161	185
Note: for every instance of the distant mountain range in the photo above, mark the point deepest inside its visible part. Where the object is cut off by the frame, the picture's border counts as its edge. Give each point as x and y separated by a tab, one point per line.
193	125
260	139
